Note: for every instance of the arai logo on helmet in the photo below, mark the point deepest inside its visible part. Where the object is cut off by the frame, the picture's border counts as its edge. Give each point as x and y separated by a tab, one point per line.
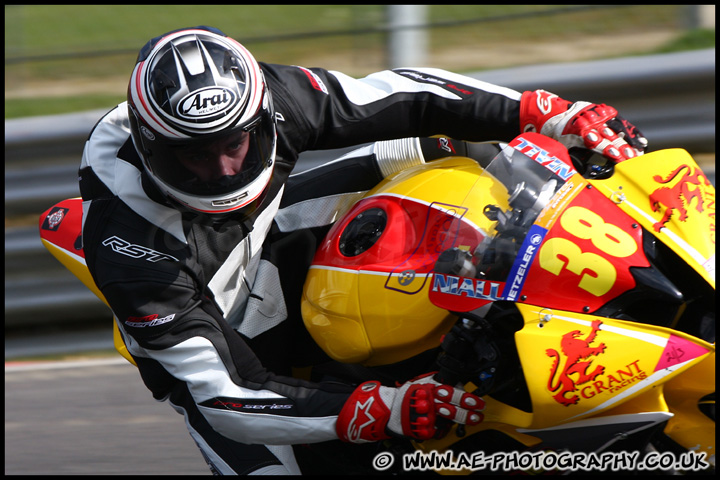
150	136
206	102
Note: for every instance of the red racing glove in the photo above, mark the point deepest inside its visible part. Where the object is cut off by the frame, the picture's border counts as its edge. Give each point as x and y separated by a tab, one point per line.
581	124
374	412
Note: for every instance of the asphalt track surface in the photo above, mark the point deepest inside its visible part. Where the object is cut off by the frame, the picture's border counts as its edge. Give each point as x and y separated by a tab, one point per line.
91	417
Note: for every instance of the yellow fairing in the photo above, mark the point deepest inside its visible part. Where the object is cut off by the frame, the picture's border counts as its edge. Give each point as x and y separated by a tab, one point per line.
690	427
369	334
579	365
667	193
395	319
77	266
341	336
451	178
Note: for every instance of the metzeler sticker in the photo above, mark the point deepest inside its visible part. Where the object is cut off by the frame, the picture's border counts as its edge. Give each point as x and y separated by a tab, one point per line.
519	270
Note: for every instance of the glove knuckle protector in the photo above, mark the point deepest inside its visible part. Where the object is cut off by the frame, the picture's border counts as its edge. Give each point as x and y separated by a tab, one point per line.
597	127
373	412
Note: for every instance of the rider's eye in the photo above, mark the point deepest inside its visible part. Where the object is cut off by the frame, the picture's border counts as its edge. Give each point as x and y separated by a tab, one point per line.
238	141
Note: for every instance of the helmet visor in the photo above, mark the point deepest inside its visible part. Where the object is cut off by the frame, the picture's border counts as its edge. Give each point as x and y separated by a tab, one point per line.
218	164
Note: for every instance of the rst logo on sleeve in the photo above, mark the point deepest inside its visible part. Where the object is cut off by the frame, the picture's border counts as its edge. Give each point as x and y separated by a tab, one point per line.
135	251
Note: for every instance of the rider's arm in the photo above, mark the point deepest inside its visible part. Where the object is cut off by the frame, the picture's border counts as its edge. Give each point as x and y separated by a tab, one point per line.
361	169
334	110
315	197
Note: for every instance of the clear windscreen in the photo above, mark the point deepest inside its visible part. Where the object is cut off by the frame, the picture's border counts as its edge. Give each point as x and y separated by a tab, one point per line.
504	202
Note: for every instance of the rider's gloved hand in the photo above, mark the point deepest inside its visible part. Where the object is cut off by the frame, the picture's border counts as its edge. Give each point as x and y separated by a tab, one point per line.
581	124
374	412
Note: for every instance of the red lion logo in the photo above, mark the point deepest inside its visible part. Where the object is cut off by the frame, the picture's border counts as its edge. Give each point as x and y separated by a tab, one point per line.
575	350
679	196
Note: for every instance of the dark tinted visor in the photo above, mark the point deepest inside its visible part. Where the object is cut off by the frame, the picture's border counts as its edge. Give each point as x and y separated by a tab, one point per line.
166	165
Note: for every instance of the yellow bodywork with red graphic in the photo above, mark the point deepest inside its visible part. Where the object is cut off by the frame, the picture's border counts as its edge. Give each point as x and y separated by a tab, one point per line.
372	306
60	232
668	194
580	366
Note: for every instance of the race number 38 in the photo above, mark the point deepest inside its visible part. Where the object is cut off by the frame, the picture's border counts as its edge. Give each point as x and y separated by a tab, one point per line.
596	273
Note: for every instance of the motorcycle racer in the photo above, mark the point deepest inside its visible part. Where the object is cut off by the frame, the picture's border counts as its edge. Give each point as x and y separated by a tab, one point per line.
191	214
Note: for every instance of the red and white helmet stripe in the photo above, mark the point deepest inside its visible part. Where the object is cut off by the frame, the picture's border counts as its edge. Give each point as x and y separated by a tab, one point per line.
195	86
244	106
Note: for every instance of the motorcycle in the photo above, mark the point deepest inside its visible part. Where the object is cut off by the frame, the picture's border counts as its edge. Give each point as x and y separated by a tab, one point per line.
581	306
576	297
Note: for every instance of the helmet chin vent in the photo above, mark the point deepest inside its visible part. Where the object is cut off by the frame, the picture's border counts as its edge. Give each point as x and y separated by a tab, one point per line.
228	202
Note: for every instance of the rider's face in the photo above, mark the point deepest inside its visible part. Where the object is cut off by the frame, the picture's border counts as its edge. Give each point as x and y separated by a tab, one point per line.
215	160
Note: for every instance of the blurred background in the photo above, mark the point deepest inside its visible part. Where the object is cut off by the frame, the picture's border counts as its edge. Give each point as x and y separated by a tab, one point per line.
62	58
66	64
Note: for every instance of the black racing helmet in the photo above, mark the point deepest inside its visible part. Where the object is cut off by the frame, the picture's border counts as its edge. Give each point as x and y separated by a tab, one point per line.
191	88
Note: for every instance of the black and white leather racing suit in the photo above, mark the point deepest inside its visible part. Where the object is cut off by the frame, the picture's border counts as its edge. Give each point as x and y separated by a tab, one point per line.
201	306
